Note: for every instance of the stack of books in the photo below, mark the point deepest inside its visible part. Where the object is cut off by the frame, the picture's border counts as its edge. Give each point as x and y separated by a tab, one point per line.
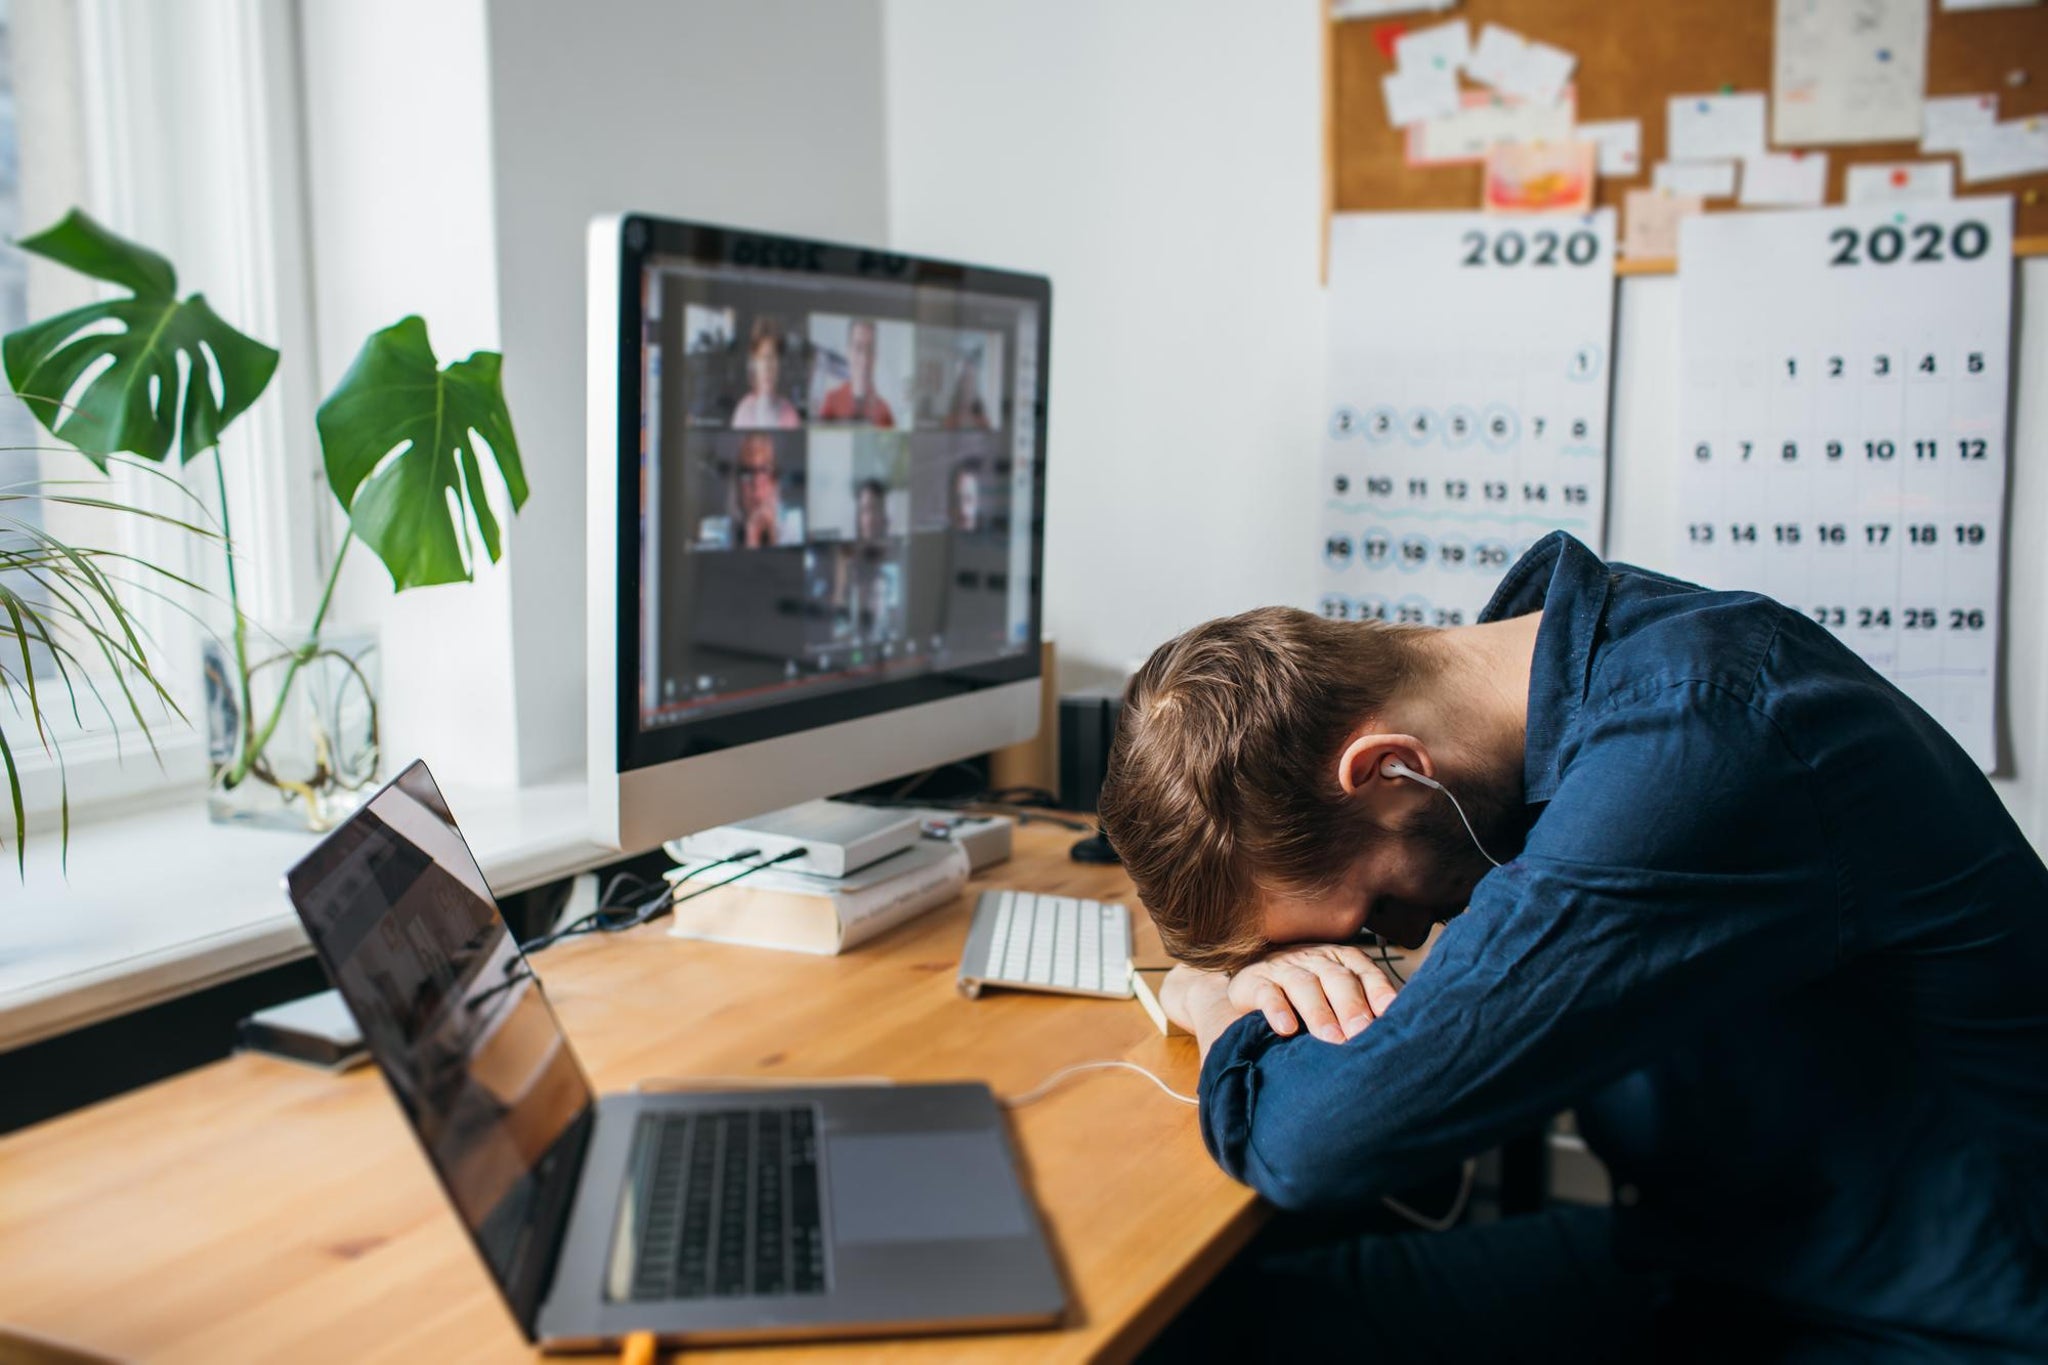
807	913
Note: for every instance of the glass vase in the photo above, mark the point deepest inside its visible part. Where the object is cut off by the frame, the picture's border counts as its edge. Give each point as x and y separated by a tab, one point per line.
321	757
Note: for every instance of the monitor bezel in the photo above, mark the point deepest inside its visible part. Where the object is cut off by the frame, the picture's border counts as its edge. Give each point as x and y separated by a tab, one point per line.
643	236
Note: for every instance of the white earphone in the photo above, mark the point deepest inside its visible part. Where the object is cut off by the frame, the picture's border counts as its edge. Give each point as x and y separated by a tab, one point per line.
1394	767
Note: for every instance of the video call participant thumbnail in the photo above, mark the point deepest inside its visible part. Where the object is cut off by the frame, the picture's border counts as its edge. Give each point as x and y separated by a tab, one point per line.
764	404
857	398
956	370
759	509
965	503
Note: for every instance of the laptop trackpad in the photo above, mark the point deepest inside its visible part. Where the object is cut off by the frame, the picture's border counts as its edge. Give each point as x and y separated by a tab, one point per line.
921	1187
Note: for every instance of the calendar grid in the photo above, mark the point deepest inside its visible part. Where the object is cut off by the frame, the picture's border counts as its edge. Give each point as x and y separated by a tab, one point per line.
1842	432
1469	396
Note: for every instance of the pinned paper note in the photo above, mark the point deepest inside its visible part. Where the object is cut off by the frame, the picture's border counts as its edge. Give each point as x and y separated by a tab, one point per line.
2004	150
1483	120
1848	71
1620	142
1650	220
1785	180
1375	9
1540	177
1445	47
1714	127
1709	179
1885	182
1414	96
1947	119
1519	66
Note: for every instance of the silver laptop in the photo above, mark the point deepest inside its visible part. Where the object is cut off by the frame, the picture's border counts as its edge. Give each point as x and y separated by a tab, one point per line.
701	1216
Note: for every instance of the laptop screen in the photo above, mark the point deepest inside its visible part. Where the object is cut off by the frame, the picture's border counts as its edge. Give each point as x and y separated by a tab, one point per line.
410	934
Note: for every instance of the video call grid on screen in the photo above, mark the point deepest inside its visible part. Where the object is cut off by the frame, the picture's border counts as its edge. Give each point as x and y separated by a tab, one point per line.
836	484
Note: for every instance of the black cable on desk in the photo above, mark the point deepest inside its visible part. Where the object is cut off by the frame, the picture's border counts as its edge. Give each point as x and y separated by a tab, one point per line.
653	907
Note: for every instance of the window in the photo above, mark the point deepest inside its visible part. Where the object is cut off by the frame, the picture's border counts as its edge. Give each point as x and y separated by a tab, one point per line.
173	125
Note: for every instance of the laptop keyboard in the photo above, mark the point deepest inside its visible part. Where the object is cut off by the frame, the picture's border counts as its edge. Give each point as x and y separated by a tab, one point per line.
727	1204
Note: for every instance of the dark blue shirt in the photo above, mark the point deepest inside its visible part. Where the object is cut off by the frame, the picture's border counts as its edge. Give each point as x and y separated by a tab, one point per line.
1775	938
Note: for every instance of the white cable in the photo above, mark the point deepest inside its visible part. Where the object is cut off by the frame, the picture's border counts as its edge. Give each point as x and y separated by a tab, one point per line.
1036	1093
1468	824
1052	1082
1451	1216
1423	1221
1032	1096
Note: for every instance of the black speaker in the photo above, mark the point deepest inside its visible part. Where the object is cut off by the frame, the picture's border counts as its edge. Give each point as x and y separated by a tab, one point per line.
1087	725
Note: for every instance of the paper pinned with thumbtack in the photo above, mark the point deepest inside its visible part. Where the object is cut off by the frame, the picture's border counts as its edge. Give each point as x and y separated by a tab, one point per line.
1417	96
1539	177
1620	141
2015	147
1888	182
1785	180
1847	71
1708	179
1714	127
1517	65
1946	120
1650	222
1443	47
1375	9
1483	120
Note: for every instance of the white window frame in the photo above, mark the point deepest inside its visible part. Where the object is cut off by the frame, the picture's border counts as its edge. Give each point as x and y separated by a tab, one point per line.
192	118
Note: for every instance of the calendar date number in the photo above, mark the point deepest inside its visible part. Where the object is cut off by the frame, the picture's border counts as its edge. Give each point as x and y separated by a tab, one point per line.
1906	618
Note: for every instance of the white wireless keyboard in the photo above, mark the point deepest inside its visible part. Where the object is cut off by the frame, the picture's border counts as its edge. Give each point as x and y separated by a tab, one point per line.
1028	942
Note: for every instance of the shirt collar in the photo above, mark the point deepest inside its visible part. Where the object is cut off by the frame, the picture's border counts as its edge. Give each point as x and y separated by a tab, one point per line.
1568	583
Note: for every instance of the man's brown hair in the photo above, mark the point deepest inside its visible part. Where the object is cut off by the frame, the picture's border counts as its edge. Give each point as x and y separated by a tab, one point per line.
1222	781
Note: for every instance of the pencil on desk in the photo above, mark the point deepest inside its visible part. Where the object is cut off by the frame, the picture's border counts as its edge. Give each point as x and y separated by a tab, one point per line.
638	1350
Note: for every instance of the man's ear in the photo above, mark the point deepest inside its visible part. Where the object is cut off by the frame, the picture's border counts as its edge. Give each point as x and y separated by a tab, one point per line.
1362	768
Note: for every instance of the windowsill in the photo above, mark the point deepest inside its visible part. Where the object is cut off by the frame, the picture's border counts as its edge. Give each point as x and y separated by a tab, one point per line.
161	903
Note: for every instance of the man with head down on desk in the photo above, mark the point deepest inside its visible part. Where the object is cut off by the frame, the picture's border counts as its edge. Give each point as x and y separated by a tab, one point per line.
1707	880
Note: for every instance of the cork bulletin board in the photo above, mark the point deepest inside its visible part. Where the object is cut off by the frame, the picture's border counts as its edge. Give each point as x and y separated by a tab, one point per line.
1632	58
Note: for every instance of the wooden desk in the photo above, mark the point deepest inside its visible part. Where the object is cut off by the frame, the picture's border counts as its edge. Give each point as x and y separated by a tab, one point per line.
256	1210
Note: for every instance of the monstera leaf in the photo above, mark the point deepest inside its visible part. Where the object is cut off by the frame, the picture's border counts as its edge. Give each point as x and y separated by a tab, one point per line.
137	403
399	437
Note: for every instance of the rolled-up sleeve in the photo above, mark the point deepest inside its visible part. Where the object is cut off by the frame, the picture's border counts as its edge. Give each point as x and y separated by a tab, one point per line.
1681	870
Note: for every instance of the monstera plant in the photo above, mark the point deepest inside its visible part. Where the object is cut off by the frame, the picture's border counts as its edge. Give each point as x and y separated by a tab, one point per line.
403	440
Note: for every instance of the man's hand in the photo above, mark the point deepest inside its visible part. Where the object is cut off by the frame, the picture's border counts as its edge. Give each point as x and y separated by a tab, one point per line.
1199	1002
1333	988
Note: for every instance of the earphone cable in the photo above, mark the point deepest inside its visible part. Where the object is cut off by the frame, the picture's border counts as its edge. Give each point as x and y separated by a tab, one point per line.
1468	824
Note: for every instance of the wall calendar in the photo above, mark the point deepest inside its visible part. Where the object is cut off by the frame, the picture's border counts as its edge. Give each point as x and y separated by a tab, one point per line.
1470	361
1842	431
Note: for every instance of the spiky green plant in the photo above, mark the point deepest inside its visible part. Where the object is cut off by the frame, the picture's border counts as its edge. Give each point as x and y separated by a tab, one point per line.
64	602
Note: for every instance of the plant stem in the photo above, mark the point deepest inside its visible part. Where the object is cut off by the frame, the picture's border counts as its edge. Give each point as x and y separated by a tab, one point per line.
243	759
284	689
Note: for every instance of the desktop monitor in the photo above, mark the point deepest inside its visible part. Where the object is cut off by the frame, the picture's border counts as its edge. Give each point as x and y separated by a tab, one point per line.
817	482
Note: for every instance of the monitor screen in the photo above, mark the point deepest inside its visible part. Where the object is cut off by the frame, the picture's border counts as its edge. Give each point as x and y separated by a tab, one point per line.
410	934
836	507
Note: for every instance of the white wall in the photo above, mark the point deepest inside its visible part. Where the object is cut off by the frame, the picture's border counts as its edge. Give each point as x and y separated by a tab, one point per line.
455	151
1160	161
766	114
398	144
